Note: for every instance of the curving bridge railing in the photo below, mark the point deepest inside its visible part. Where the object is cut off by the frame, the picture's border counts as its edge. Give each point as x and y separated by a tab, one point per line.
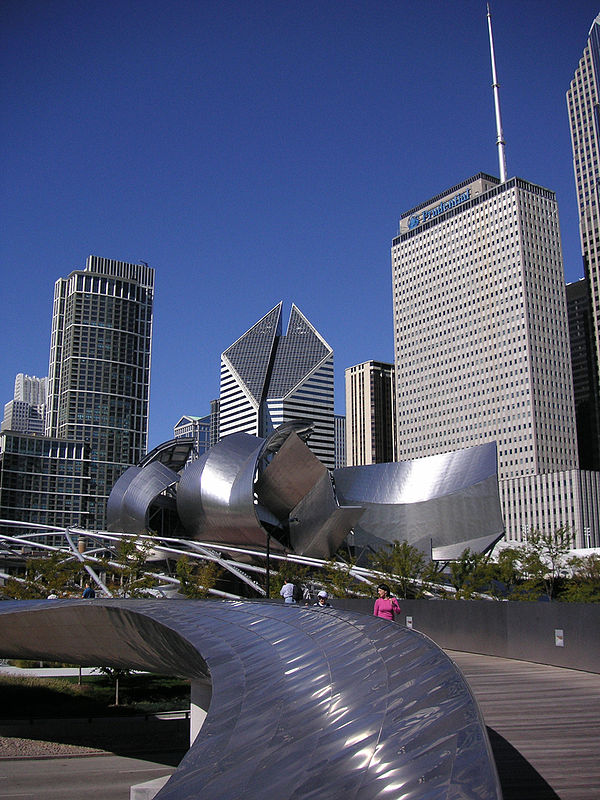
306	702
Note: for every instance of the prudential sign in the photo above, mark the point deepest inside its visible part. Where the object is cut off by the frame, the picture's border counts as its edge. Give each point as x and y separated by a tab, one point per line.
446	205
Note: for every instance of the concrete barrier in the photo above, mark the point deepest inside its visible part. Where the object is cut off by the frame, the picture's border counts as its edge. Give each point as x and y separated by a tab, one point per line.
560	634
148	790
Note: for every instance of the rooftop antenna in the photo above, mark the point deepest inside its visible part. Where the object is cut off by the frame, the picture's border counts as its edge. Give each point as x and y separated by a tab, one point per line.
496	86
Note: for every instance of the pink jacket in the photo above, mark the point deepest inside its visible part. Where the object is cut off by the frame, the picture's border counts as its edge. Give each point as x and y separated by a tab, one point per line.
386	607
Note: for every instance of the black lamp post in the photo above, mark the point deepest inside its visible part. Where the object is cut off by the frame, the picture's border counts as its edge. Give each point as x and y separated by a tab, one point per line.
268	576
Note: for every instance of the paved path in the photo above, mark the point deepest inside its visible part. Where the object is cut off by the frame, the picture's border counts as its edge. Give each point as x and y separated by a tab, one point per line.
99	777
544	726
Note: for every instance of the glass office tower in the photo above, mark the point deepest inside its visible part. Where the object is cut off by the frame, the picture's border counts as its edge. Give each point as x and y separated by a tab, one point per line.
99	373
43	481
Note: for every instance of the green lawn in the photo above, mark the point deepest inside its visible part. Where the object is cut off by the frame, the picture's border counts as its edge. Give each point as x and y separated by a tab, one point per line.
27	697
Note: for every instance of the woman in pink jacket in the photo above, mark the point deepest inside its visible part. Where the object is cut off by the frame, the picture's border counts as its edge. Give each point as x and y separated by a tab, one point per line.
385	606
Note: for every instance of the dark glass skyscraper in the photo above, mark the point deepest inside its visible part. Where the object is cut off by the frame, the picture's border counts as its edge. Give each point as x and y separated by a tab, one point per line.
43	481
99	373
585	377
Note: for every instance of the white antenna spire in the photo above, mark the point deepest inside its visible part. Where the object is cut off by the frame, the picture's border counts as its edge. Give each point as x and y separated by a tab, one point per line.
499	135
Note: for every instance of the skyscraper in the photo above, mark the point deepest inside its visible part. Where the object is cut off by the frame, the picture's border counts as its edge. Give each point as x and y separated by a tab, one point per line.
585	378
99	373
583	101
370	413
340	439
26	412
482	349
268	378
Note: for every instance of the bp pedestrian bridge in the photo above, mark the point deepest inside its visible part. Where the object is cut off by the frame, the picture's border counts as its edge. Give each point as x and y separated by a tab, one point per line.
287	702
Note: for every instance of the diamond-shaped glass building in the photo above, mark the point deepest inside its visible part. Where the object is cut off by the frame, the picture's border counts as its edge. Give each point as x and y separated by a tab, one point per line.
268	378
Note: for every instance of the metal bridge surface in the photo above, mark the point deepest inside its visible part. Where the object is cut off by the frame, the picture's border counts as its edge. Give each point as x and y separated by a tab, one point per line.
306	702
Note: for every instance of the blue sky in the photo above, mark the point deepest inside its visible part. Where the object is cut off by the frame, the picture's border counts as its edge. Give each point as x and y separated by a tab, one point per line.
253	152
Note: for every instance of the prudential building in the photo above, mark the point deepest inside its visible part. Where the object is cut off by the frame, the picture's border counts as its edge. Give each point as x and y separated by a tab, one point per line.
482	348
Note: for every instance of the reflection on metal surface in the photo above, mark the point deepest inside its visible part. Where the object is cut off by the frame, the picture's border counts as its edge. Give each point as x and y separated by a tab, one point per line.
306	703
215	498
290	475
303	428
135	491
432	503
318	525
246	488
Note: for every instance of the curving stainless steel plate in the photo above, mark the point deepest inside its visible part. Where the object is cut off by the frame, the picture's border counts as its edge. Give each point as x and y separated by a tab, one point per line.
444	501
306	702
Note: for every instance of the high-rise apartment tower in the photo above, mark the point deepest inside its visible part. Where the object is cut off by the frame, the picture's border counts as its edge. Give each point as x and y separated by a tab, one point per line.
268	378
99	374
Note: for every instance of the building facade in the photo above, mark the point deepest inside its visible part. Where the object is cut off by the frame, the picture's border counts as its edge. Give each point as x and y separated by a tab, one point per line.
585	378
26	412
268	378
583	99
214	421
197	428
99	372
482	345
370	413
43	480
340	440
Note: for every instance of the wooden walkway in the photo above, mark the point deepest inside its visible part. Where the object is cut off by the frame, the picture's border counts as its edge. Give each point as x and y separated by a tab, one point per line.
543	723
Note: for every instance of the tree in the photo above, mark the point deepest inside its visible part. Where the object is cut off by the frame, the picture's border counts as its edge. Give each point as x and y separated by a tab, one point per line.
127	571
58	573
337	578
400	566
432	580
196	578
506	569
544	558
470	574
584	584
115	674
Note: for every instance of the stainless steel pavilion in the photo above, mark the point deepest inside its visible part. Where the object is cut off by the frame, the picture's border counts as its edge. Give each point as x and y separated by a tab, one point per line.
245	489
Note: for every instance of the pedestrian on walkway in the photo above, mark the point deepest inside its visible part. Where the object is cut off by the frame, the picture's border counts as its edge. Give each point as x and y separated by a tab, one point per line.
287	592
322	601
386	606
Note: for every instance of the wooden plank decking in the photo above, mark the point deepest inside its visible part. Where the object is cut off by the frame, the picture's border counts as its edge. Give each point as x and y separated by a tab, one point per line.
543	723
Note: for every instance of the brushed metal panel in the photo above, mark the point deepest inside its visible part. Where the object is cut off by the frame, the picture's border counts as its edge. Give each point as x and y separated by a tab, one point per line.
133	494
114	505
291	474
418	480
215	496
306	702
449	499
318	525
